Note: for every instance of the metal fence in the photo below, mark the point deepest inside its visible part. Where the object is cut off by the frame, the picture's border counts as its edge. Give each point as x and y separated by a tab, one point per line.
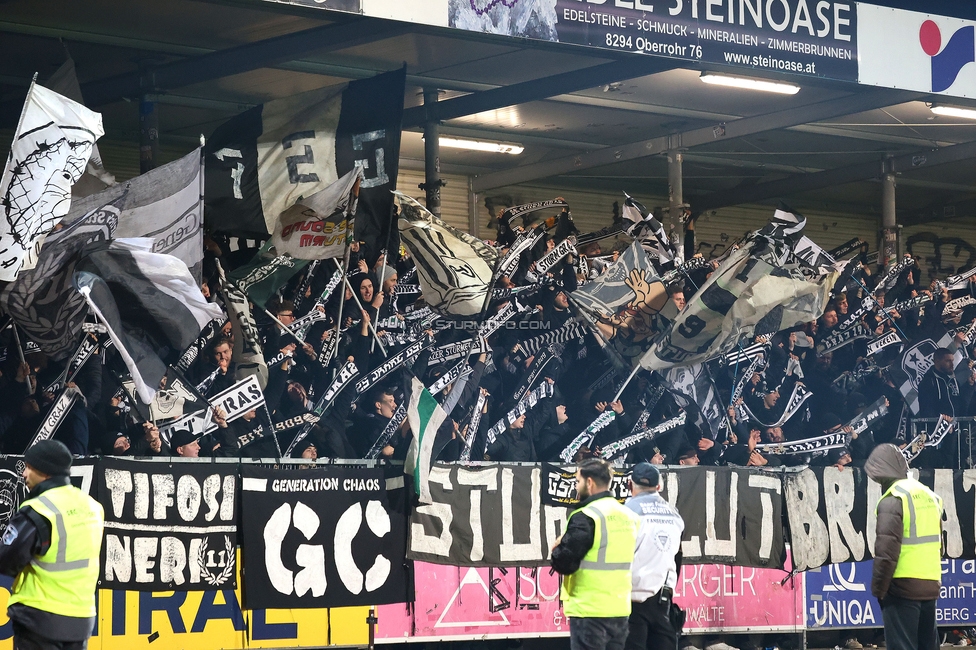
962	438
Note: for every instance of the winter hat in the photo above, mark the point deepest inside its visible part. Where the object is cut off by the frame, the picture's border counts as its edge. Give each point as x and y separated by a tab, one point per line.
49	457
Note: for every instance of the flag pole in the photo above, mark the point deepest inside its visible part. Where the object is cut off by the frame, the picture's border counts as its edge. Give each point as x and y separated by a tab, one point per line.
620	392
20	348
284	327
372	328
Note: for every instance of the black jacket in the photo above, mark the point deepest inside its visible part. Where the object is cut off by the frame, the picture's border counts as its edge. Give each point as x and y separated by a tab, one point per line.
577	540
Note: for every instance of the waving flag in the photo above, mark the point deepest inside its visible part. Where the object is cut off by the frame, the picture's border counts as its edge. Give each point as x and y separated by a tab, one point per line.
454	268
425	416
42	301
762	287
164	205
316	228
49	153
623	306
154	293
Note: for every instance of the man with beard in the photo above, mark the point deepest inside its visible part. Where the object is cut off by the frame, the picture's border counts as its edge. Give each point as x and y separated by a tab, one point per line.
594	556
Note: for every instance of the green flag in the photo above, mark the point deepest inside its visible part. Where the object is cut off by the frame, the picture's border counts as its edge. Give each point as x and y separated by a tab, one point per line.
425	417
266	273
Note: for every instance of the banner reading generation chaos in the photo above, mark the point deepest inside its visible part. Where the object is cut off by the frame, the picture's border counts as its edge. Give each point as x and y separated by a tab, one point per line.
810	37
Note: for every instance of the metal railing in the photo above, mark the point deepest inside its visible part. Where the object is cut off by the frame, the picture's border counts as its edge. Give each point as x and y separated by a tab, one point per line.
964	433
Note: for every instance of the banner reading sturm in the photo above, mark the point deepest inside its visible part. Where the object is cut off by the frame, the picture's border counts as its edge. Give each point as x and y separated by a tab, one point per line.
490	515
322	537
732	516
168	527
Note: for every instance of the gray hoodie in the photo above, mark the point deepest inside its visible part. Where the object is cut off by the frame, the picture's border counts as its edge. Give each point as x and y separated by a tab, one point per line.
886	465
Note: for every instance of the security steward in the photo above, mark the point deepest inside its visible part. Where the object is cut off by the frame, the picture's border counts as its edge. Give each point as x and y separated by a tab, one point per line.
907	552
657	560
52	546
594	556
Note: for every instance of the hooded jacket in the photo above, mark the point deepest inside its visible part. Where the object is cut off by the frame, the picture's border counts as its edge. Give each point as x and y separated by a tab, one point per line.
886	465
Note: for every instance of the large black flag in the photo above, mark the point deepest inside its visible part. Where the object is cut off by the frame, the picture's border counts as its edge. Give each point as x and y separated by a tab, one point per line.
266	159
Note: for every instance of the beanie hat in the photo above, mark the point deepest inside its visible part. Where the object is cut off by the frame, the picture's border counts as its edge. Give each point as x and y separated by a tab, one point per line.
49	457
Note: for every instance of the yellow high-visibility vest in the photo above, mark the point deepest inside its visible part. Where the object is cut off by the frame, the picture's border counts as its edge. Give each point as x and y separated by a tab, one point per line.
600	588
63	580
921	543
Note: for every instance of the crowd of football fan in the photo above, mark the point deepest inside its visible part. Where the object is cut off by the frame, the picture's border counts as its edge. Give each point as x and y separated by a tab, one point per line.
840	387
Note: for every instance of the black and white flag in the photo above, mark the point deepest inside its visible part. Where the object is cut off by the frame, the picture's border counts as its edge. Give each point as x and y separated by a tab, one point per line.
50	150
454	268
41	301
140	358
154	292
760	288
163	205
266	159
648	231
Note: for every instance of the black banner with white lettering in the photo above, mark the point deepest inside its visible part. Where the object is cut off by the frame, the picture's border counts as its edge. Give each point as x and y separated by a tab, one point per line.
831	514
499	515
168	527
321	537
490	515
732	516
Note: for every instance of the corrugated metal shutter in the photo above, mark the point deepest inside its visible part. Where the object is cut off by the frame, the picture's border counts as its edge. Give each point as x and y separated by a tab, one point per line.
941	247
454	196
591	210
715	231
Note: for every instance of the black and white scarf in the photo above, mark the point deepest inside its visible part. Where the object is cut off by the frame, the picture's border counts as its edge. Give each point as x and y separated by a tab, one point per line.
623	445
942	428
837	340
473	422
799	395
544	390
808	445
885	340
388	431
587	435
392	363
568	331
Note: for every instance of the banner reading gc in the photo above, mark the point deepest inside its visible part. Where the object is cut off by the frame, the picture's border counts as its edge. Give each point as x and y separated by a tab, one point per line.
808	37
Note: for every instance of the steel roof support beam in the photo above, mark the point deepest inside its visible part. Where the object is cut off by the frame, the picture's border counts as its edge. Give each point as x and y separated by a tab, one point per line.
242	58
839	176
536	89
831	108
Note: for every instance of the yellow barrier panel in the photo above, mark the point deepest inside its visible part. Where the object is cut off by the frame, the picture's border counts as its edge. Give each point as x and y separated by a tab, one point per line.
207	620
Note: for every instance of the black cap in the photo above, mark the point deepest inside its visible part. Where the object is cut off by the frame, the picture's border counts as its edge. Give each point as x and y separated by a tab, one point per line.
646	474
49	457
182	437
830	420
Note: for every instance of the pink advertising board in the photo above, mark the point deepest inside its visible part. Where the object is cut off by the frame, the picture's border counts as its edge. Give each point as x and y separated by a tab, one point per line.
474	603
737	599
483	603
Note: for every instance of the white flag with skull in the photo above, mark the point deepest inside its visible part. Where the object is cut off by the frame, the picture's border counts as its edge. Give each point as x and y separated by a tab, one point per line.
49	153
